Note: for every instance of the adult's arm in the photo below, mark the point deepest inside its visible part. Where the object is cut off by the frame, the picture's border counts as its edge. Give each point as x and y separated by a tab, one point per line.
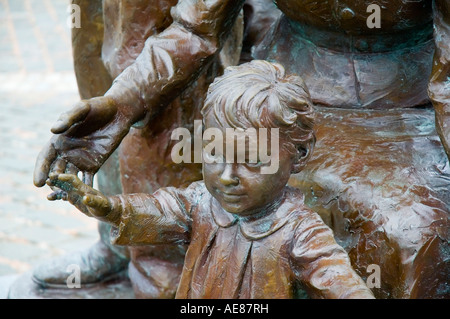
175	57
169	62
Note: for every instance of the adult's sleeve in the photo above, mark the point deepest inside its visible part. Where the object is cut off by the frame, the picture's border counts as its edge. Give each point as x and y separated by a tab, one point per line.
173	59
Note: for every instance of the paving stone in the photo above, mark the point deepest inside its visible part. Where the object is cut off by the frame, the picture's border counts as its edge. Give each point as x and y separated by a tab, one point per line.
5	283
37	83
42	234
6	269
19	250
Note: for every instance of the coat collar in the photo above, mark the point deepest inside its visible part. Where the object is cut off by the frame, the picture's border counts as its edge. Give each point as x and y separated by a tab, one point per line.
262	224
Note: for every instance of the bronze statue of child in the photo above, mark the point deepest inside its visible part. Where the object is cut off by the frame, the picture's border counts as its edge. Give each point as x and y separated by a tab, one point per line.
249	234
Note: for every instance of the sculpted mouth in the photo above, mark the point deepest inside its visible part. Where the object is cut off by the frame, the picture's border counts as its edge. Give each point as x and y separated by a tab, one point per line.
230	197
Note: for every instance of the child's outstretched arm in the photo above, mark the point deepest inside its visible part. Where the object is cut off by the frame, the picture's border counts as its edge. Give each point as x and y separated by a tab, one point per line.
322	266
163	217
88	200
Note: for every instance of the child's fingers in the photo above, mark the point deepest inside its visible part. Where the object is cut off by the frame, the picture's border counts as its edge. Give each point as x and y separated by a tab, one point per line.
79	194
50	182
95	201
57	195
79	186
70	186
69	178
70	183
52	197
99	203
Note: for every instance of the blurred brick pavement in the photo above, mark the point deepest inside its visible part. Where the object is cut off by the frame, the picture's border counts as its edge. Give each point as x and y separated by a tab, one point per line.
37	83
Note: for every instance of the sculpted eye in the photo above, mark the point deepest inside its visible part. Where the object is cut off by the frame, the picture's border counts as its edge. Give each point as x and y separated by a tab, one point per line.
253	165
212	156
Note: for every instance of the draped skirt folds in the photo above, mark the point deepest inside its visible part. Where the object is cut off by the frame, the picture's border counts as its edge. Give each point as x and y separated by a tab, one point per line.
380	179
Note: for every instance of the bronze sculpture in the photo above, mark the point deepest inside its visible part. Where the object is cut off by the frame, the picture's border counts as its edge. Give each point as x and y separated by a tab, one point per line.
398	220
100	56
94	49
249	235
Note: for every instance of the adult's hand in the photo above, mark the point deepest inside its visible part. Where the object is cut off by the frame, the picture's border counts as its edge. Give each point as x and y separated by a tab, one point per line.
169	62
85	137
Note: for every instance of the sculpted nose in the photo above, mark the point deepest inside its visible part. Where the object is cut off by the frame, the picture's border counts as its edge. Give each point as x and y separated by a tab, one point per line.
228	176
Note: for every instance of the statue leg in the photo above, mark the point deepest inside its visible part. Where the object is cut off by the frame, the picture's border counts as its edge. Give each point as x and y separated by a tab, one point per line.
380	179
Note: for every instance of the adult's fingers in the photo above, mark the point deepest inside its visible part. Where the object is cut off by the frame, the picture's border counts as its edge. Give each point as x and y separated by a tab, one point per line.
66	120
59	167
71	169
43	163
88	179
57	195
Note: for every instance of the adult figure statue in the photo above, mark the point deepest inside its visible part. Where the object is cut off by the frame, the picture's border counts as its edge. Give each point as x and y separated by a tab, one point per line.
379	173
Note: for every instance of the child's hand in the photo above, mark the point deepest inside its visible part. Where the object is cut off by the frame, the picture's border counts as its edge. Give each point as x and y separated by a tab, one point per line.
88	200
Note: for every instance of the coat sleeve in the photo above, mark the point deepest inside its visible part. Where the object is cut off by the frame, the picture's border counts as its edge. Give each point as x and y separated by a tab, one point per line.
321	265
165	217
173	59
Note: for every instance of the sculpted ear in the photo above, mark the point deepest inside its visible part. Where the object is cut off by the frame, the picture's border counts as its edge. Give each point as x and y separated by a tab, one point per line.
304	154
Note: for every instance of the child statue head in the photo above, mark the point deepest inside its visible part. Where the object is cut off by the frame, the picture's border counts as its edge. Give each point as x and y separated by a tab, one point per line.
257	96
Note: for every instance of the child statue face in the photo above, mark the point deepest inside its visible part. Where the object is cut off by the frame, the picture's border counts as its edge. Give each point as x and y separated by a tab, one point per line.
240	188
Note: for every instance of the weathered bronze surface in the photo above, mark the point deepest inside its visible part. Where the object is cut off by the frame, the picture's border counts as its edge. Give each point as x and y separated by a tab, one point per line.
249	235
379	174
147	167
